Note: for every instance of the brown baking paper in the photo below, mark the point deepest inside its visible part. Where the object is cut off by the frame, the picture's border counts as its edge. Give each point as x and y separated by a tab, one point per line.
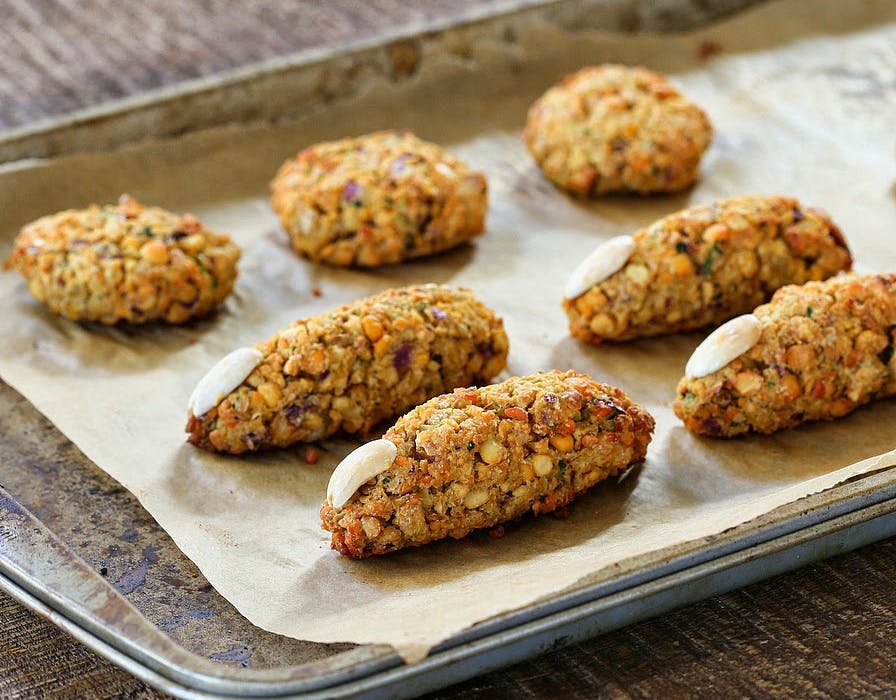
798	110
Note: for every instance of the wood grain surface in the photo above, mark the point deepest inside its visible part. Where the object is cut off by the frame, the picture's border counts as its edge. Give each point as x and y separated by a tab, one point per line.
58	56
824	631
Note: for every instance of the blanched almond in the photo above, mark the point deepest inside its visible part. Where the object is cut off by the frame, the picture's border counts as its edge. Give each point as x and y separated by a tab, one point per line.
359	467
726	343
224	377
607	259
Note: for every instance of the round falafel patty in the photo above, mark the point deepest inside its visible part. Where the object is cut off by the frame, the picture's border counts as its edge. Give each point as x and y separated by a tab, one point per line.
613	128
377	200
125	262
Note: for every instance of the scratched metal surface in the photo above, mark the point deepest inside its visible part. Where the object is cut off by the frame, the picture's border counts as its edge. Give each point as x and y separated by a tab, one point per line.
106	526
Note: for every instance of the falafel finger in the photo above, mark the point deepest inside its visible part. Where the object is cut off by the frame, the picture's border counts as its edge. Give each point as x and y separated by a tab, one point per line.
815	352
479	457
701	266
348	369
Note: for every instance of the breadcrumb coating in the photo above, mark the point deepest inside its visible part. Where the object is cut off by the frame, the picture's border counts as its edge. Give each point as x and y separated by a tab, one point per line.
826	348
706	264
347	370
475	458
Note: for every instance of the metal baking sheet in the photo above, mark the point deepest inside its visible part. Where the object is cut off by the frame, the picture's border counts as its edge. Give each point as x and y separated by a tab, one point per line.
90	559
41	572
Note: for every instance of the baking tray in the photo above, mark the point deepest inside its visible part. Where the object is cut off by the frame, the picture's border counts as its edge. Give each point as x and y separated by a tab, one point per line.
77	548
136	632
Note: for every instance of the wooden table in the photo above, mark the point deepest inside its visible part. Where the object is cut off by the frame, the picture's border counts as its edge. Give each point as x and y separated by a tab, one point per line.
826	630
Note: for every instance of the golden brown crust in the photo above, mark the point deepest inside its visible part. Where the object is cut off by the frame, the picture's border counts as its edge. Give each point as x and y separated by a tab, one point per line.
349	369
478	457
826	348
613	128
706	264
377	199
125	262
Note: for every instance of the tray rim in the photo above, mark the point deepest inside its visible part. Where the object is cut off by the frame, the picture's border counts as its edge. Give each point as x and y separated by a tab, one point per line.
14	140
754	545
248	73
855	502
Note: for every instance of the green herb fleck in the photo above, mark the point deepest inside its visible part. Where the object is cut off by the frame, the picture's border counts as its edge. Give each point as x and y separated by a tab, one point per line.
562	464
146	231
681	247
809	311
714	252
385	480
689	396
470	446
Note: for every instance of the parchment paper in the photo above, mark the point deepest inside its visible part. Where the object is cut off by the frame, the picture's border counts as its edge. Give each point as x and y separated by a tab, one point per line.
803	97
